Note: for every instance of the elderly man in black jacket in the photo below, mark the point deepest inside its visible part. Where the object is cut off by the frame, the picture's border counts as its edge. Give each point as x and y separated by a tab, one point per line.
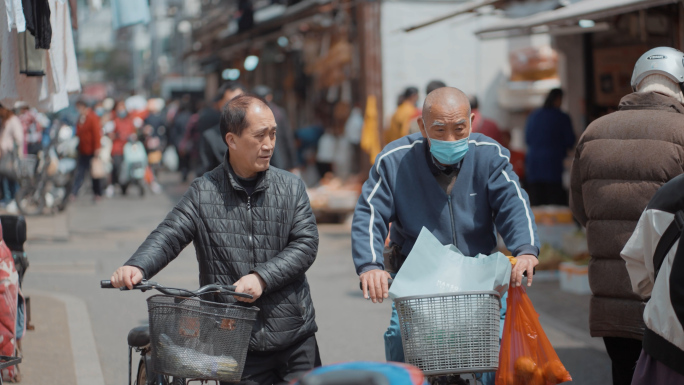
252	227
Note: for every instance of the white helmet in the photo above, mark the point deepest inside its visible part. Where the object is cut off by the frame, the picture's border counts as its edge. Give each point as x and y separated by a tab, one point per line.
662	60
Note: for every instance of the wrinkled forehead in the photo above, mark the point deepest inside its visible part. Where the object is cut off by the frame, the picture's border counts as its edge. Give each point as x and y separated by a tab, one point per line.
454	112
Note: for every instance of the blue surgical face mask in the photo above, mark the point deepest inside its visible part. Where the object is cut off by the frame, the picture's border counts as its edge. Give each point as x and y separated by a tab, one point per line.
448	152
122	114
99	111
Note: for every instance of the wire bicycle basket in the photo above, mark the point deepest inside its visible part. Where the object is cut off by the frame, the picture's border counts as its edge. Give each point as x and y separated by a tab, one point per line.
451	333
192	338
26	167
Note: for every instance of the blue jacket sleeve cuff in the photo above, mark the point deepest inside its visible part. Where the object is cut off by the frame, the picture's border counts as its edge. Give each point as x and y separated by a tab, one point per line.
527	249
369	267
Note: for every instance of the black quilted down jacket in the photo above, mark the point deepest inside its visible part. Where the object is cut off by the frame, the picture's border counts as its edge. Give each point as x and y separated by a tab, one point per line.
273	232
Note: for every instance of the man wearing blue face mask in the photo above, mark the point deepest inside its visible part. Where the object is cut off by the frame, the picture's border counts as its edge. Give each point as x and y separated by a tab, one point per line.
458	184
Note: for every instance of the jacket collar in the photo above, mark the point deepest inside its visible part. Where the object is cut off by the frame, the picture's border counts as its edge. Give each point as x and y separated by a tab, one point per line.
262	184
650	101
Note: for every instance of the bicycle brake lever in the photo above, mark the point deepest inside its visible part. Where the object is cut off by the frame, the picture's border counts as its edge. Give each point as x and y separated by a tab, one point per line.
243	295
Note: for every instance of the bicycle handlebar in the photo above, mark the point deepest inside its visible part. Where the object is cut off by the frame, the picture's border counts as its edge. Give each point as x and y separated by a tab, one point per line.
145	285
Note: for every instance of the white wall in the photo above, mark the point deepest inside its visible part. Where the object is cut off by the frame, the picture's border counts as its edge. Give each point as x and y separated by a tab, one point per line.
447	51
573	75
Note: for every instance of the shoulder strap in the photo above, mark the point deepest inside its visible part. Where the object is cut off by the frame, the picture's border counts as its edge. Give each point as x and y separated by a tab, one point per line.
671	235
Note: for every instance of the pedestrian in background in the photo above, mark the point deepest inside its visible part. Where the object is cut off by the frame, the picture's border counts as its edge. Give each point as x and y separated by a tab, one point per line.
179	123
655	262
33	131
483	125
211	147
549	137
89	133
401	120
210	116
431	86
123	129
620	162
11	148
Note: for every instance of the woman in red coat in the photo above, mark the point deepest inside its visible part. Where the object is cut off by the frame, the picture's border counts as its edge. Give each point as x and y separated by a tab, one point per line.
89	134
123	129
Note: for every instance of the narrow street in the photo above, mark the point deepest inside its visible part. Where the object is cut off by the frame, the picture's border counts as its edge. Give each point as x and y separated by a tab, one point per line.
80	329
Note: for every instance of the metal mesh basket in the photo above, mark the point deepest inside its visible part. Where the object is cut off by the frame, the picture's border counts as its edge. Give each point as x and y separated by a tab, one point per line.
26	166
451	333
191	338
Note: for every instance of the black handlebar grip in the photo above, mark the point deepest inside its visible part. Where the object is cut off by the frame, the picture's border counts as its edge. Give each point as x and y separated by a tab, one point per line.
106	284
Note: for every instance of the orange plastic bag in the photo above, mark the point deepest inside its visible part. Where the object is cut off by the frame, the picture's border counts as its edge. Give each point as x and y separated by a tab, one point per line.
149	176
526	356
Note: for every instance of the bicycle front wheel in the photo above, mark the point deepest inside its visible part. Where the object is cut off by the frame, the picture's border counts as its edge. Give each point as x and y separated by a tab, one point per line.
30	200
141	378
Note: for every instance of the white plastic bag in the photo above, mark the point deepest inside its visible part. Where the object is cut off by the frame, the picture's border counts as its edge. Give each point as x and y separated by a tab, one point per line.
433	268
326	148
170	159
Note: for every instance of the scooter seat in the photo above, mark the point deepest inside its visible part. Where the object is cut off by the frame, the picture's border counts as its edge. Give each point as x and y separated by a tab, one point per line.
139	337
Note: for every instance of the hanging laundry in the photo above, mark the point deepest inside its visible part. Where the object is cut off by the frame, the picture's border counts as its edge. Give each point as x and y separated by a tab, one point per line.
31	60
73	7
49	93
15	15
62	58
37	14
129	12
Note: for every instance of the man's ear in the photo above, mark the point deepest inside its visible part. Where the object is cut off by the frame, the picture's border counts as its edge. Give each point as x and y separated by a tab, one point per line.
230	140
421	125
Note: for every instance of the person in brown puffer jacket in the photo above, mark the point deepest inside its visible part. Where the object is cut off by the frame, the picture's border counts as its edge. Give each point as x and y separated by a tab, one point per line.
620	162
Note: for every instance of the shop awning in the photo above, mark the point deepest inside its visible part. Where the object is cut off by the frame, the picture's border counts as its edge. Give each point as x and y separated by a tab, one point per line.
216	45
270	29
465	8
544	22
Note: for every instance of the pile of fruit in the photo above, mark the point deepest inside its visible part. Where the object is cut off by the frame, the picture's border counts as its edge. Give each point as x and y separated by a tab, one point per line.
527	372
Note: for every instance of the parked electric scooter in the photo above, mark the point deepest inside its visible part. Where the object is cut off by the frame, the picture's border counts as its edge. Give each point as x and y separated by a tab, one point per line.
46	179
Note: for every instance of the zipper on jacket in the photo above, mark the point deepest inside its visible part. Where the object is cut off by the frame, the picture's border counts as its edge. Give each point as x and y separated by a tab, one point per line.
453	224
260	333
251	230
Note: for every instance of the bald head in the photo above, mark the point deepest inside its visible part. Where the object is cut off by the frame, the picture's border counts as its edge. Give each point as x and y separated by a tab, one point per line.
446	115
445	98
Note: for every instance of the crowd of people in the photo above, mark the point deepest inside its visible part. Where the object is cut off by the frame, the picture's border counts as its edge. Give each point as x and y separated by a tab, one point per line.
132	141
118	145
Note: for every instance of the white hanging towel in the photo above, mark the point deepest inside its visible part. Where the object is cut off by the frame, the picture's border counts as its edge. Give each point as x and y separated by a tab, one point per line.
15	15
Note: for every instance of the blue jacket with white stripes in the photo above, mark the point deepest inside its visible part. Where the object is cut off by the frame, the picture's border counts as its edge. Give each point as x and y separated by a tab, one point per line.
402	190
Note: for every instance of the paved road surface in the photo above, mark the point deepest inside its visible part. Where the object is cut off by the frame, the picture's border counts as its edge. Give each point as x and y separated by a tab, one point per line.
71	252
